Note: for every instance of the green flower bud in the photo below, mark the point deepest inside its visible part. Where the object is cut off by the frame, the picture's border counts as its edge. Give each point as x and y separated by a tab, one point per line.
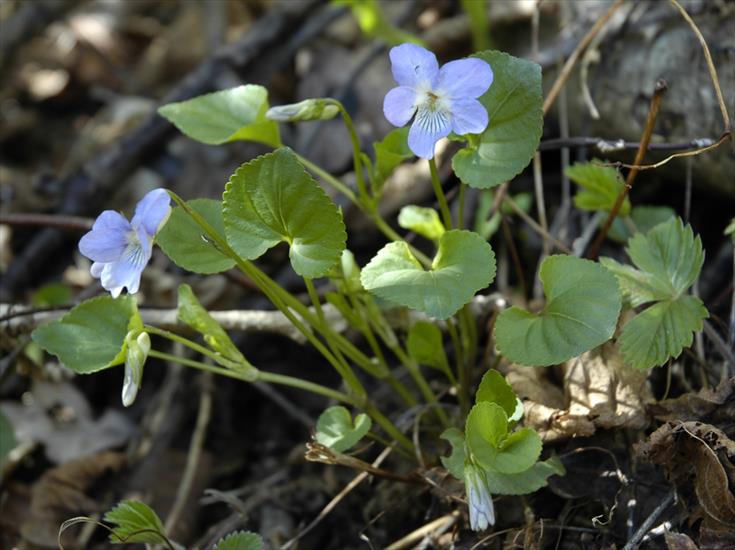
309	109
135	356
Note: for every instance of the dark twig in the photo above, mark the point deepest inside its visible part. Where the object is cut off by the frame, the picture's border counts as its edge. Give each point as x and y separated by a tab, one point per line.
658	94
72	223
727	136
28	20
650	520
614	145
721	346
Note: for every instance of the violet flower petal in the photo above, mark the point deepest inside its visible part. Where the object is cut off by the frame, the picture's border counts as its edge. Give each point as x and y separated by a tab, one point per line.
469	116
152	210
479	499
107	239
399	105
126	272
428	127
413	65
465	78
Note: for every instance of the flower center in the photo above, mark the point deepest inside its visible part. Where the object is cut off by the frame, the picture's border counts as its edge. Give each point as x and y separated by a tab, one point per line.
134	250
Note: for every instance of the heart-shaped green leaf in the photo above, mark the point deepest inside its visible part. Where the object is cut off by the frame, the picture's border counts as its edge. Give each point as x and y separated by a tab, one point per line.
335	428
494	388
91	337
518	452
485	429
600	185
237	114
464	264
184	242
272	199
513	103
454	463
582	307
492	447
525	482
422	220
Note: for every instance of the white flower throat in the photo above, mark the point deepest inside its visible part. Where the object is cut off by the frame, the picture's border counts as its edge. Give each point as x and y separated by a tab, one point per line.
432	109
134	249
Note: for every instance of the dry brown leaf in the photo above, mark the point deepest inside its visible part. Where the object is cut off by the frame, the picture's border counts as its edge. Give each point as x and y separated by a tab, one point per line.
679	541
64	492
692	454
599	391
716	406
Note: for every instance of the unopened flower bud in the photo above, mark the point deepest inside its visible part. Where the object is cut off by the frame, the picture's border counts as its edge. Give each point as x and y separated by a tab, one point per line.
135	357
309	109
479	499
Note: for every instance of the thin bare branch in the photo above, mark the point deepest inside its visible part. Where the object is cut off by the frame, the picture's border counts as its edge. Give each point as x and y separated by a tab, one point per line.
658	95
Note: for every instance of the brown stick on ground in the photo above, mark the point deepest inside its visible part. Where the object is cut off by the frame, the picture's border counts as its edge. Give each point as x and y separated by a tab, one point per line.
658	93
569	65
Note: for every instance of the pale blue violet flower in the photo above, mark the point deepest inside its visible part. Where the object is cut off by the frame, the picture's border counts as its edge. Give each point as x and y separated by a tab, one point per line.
438	100
479	499
121	249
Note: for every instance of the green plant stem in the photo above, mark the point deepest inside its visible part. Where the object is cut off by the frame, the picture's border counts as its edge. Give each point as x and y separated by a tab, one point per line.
274	378
375	317
276	294
331	180
459	362
289	301
460	211
262	377
415	371
367	331
389	427
226	363
356	154
439	192
327	335
471	326
273	292
468	338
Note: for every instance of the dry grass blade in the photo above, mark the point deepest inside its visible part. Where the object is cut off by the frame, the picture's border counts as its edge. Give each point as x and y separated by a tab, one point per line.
572	61
433	528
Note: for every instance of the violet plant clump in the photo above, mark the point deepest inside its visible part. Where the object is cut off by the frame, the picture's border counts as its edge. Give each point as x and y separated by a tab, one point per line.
275	200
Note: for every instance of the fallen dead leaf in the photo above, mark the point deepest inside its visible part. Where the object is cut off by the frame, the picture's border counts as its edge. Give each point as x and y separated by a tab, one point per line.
694	455
64	492
679	541
598	391
716	406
